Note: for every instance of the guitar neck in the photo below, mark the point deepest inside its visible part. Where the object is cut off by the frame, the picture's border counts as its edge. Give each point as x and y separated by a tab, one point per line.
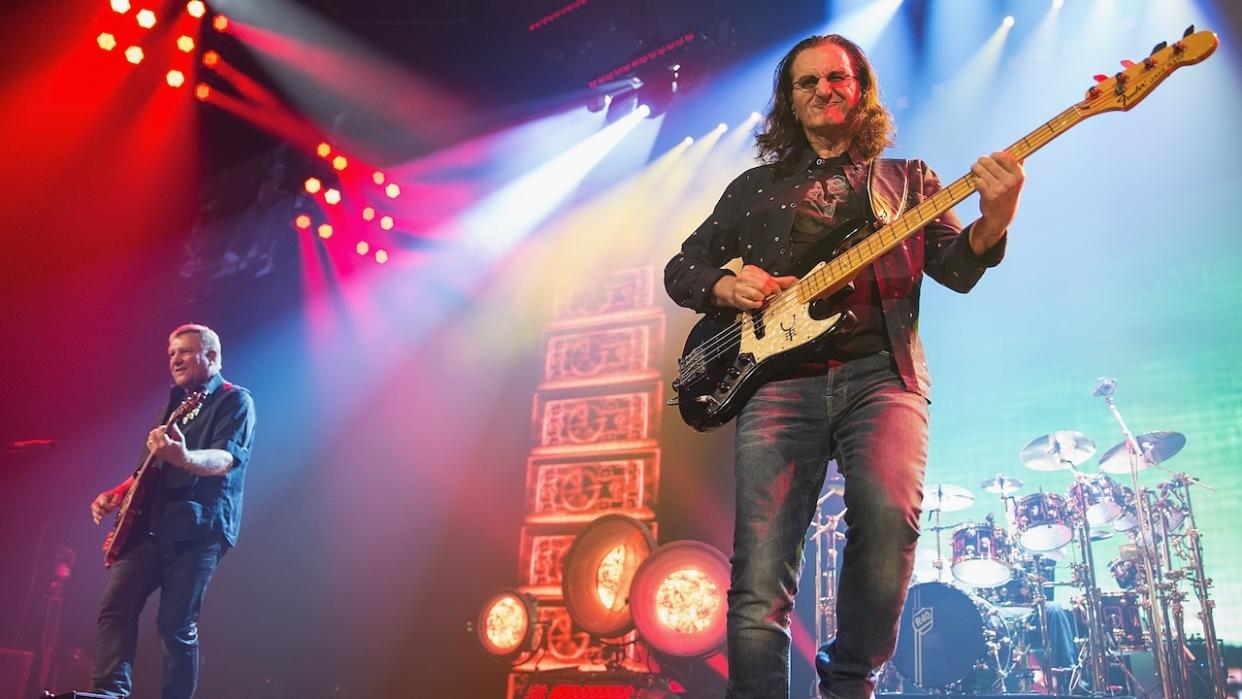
841	269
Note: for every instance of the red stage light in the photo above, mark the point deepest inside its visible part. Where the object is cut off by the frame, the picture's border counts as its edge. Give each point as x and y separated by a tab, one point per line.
106	41
120	6
363	247
146	19
196	8
679	599
332	196
325	231
185	43
339	162
377	177
386	223
392	190
133	54
381	256
210	58
324	150
220	23
313	185
175	78
302	222
368	214
202	92
597	572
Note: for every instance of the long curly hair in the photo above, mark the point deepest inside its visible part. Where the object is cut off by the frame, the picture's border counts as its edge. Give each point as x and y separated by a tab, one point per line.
869	124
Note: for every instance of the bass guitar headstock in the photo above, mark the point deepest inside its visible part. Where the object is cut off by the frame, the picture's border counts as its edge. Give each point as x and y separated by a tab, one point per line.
1128	87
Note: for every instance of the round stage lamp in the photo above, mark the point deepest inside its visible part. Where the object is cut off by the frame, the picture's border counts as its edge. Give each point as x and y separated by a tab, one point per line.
679	599
597	572
506	623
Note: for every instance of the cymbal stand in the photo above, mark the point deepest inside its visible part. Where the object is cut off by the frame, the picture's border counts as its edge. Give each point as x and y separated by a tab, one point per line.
824	534
1150	567
1096	646
1202	584
1171	586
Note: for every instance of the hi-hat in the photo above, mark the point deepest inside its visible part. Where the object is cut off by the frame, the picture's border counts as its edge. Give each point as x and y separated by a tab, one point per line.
946	498
1157	447
1057	451
1001	485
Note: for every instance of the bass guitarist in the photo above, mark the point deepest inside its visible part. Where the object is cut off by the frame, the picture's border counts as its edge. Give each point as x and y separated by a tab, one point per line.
863	399
186	520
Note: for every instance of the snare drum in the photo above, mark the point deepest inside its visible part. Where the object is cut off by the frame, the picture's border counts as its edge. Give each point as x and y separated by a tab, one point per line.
981	555
1101	495
1043	522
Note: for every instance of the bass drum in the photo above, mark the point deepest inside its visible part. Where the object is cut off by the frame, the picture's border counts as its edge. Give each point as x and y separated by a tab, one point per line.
951	640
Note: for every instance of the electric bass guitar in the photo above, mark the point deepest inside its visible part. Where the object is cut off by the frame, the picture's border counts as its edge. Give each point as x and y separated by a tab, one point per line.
135	498
728	355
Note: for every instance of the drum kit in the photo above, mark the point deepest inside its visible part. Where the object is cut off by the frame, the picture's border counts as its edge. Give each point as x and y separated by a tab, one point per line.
978	619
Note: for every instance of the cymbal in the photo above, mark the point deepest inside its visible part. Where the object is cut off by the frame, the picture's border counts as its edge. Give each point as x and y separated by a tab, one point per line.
946	498
1157	447
1057	451
1001	485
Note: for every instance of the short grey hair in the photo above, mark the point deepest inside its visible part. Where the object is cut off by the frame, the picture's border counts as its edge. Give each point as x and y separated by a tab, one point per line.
209	338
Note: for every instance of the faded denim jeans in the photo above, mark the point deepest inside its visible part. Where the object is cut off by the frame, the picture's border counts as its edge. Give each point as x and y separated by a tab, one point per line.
860	414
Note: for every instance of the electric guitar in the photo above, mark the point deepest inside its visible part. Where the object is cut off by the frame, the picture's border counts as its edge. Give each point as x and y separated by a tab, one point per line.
728	355
131	507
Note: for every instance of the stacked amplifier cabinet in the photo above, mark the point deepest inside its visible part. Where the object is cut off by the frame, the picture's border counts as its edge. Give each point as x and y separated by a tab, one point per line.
595	434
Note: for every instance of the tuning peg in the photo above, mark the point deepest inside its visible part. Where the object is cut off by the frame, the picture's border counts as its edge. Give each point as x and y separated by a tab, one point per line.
1159	47
1126	63
1189	30
1100	77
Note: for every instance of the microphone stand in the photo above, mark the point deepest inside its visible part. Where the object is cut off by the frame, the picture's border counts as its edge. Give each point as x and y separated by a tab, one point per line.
1104	389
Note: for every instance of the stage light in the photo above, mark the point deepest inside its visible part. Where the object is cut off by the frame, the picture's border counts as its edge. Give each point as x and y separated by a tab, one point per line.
185	43
1056	4
386	223
302	222
756	116
377	177
220	23
687	141
363	247
174	78
597	572
506	624
145	18
679	599
1008	21
106	41
325	231
368	214
202	92
313	185
392	190
722	127
120	6
339	163
324	150
133	54
332	196
210	59
381	256
196	8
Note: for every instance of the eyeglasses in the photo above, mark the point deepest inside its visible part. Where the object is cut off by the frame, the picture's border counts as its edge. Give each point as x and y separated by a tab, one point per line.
835	79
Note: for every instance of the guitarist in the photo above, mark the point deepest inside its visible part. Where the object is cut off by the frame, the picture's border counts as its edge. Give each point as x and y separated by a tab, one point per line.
864	400
189	519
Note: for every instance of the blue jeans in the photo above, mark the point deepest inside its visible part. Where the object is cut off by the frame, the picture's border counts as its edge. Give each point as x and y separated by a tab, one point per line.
860	414
181	570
